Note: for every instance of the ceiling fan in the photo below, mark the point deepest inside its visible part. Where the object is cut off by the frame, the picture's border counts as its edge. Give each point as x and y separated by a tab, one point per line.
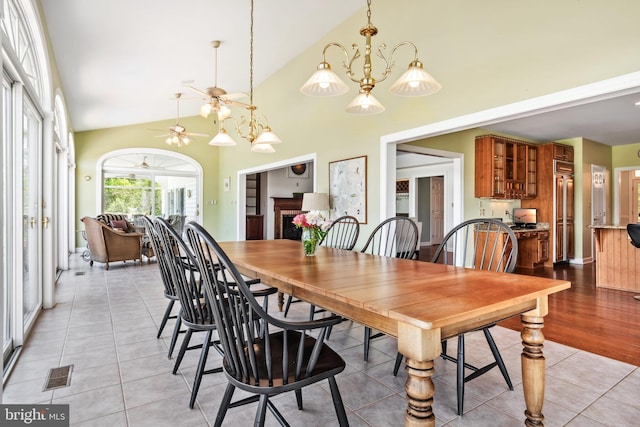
217	99
178	135
143	164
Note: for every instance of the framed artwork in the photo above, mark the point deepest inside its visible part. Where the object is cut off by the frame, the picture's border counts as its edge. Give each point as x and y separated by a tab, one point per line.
298	171
348	188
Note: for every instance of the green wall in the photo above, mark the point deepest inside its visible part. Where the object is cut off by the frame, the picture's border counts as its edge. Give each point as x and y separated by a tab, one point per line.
485	54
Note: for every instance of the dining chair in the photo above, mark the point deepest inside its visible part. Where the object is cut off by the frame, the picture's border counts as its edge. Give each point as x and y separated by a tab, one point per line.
483	244
342	234
169	287
633	230
275	357
196	314
395	237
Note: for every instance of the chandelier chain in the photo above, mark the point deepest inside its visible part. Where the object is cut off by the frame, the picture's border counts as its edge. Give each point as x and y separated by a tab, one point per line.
251	57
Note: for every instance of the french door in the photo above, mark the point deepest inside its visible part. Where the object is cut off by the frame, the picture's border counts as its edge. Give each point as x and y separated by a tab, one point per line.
22	214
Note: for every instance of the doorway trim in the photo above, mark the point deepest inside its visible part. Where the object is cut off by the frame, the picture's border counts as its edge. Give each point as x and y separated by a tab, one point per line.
241	210
604	89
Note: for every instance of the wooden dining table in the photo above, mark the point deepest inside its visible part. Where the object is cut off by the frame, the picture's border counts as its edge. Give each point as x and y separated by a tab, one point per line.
418	302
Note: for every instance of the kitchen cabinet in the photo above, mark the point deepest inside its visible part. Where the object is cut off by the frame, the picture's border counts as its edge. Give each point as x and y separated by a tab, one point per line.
505	168
533	247
555	200
255	227
563	152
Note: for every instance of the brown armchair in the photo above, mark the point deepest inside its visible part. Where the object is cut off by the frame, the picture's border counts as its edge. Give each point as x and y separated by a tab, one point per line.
107	244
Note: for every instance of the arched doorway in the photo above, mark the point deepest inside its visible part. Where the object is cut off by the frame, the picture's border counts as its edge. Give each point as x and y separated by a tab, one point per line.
147	181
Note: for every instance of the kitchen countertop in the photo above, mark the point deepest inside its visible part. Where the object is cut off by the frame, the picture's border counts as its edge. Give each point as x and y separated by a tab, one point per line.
610	226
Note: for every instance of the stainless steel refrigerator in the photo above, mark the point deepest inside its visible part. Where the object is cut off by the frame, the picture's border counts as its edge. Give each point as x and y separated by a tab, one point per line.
563	250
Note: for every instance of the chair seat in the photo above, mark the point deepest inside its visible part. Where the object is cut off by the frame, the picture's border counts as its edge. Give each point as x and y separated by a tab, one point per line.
329	364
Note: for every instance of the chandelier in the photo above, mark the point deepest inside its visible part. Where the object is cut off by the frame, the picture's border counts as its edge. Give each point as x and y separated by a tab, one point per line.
414	82
252	127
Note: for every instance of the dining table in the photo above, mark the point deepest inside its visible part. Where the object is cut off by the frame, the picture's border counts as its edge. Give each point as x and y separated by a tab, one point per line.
420	303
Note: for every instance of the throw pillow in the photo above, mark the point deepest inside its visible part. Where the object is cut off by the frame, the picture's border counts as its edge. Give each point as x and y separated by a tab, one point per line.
119	225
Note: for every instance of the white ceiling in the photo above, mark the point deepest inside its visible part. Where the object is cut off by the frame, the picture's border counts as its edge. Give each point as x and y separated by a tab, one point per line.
121	61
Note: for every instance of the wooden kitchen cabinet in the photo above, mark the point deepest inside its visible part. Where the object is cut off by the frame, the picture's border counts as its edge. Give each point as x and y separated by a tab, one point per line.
563	152
505	168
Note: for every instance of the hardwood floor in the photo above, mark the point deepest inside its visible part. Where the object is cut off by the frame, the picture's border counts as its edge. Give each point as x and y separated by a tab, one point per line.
601	321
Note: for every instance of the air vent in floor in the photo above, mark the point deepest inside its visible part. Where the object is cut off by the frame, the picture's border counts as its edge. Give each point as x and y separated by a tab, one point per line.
58	377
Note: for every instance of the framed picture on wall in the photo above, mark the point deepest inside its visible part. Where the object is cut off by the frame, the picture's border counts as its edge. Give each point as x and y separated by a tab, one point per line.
348	188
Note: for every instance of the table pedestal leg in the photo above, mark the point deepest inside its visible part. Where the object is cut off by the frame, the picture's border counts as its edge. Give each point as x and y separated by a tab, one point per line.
533	369
419	388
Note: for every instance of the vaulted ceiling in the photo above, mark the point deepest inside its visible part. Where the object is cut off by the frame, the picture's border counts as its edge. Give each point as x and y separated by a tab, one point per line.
121	61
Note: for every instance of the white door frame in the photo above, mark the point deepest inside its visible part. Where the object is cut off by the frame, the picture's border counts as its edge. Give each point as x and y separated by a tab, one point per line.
241	209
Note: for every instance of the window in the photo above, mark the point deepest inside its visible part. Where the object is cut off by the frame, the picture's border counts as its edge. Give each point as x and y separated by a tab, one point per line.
151	182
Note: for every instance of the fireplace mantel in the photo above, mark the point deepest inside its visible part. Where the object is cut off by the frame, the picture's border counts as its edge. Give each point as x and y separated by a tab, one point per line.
284	206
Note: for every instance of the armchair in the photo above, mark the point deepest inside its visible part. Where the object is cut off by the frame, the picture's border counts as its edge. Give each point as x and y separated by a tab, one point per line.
107	244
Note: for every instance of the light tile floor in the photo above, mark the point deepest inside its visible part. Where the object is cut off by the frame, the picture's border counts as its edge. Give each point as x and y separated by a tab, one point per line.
105	324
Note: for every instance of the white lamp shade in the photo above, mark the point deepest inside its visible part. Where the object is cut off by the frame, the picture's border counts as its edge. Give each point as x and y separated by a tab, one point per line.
205	110
267	137
415	82
315	202
262	148
224	112
222	139
364	103
324	82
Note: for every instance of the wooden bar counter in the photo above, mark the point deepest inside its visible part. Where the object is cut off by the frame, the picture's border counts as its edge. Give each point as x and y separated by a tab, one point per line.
617	260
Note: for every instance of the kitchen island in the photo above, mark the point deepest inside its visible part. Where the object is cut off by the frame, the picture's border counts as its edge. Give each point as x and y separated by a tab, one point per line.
617	260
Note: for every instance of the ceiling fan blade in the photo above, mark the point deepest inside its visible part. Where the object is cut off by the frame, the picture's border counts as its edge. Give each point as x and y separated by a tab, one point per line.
164	135
196	134
235	95
236	103
195	89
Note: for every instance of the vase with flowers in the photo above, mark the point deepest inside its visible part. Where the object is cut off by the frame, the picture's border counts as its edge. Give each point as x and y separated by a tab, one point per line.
314	227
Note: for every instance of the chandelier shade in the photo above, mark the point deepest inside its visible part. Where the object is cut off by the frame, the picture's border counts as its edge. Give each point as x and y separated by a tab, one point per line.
222	139
364	103
324	82
262	148
267	137
415	82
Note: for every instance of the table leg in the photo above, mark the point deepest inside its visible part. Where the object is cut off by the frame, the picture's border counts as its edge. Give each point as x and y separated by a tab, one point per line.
419	347
533	369
420	390
280	300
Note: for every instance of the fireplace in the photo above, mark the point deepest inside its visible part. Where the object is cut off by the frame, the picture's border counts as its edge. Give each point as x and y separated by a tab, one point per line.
286	209
290	231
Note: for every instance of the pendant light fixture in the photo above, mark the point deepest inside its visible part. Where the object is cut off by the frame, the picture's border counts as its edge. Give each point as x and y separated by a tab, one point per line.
414	82
252	127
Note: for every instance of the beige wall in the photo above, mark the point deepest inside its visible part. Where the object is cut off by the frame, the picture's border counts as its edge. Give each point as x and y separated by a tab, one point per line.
485	54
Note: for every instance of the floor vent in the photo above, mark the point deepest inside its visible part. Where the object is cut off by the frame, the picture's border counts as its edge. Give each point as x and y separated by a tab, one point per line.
58	377
79	273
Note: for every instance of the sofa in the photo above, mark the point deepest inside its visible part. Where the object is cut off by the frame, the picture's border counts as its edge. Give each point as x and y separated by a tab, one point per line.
112	238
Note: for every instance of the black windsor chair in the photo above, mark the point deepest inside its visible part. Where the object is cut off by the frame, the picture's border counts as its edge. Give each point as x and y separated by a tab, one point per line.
483	244
395	237
257	360
342	234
